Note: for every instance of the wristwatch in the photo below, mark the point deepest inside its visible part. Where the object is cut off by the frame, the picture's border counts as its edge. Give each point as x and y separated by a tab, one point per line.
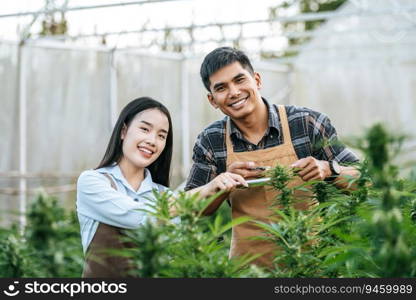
334	167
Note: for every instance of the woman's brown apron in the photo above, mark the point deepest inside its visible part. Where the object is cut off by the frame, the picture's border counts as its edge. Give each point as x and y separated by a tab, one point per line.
256	202
98	262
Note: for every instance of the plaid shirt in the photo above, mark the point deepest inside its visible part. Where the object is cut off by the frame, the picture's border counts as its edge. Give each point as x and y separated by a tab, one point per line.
311	132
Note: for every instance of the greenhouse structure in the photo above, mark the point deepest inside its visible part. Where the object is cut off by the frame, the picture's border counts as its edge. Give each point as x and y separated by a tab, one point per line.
60	99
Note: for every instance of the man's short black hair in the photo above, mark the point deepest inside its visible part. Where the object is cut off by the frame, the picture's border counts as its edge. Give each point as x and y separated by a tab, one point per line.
220	58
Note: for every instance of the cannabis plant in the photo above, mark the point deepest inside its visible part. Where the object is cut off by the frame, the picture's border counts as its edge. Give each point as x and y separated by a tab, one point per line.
50	245
52	234
386	219
13	256
186	243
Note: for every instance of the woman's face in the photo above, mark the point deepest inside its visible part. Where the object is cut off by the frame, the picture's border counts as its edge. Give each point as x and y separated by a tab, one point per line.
145	138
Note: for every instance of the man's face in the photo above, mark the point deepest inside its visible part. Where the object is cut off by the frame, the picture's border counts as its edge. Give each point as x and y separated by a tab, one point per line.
235	91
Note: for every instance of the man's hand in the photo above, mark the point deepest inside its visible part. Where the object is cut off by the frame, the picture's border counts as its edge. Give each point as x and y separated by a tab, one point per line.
244	169
312	169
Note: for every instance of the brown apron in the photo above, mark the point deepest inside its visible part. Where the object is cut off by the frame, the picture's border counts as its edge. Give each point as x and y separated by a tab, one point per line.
98	262
256	202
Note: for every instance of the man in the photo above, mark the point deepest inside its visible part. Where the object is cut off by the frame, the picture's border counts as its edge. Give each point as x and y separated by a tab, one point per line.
255	134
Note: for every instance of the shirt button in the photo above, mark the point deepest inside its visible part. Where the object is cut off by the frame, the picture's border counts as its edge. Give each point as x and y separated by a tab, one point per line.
136	199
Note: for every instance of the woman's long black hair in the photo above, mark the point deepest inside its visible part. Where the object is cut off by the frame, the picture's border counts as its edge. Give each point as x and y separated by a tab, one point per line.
160	168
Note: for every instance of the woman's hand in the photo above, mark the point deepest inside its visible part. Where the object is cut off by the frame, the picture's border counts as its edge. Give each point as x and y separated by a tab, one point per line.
226	181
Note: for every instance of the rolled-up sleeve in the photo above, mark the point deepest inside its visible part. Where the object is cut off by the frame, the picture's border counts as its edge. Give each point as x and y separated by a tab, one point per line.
325	142
97	200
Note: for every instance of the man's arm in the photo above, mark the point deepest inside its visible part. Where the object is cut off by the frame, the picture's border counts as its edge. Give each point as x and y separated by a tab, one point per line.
314	169
326	147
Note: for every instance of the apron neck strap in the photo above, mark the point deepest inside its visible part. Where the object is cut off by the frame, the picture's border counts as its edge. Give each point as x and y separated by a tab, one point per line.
228	143
285	124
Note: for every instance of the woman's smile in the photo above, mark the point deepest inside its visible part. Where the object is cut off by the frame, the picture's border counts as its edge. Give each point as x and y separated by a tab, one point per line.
145	151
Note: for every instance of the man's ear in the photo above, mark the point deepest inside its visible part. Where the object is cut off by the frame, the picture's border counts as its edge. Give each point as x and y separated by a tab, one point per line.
212	101
257	78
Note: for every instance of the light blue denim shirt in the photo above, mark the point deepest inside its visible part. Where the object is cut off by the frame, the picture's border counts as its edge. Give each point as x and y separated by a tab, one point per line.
98	202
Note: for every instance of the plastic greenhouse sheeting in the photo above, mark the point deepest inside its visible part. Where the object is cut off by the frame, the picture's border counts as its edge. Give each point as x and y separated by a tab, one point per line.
361	69
69	107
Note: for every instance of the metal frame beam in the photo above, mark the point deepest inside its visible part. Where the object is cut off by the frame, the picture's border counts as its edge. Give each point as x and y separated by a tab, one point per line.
74	8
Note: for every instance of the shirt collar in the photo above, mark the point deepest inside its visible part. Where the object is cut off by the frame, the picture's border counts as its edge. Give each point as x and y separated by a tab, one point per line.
146	186
147	183
273	116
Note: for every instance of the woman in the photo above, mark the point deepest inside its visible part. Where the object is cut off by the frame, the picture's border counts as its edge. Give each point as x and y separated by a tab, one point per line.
137	160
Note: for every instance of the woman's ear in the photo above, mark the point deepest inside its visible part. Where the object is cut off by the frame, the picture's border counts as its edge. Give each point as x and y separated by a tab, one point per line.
123	132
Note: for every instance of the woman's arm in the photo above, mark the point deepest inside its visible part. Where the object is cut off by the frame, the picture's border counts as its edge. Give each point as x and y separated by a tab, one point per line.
226	182
96	199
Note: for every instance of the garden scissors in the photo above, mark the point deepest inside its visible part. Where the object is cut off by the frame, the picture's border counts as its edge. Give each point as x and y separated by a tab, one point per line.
257	182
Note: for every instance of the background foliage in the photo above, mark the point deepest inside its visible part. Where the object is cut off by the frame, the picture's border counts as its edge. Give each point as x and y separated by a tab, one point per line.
367	232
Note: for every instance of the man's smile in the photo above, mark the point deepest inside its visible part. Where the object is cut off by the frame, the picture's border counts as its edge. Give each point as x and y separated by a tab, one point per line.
239	103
